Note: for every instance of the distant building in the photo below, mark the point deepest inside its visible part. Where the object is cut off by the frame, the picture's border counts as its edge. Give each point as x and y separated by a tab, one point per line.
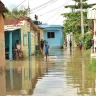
53	34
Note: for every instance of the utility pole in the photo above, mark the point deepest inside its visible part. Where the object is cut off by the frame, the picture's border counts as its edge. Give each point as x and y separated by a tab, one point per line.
82	23
28	9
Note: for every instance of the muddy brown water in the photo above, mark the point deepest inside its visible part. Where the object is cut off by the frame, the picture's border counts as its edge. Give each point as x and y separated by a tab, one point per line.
66	75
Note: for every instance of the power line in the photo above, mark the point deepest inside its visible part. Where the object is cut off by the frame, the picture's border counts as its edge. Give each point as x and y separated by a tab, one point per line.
42	7
44	4
19	4
57	18
52	15
60	14
52	10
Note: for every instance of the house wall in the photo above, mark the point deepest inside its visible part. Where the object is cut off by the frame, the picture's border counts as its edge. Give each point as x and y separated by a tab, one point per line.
24	39
41	34
56	42
33	41
94	36
2	45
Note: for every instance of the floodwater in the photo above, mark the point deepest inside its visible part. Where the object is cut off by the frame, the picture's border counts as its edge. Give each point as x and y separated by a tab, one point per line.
65	75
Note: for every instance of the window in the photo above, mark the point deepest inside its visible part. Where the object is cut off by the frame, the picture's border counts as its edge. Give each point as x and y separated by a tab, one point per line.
50	34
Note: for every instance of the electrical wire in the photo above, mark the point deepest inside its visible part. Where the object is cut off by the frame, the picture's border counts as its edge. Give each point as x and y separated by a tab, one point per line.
57	18
19	4
59	15
44	4
53	15
42	7
51	10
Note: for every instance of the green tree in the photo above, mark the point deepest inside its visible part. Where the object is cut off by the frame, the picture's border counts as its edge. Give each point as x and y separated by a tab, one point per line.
73	19
16	13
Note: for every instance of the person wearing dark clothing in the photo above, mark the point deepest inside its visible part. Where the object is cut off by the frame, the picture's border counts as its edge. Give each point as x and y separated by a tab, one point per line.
70	43
70	46
42	45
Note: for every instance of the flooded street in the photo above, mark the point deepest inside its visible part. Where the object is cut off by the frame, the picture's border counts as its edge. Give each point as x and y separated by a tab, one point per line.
65	75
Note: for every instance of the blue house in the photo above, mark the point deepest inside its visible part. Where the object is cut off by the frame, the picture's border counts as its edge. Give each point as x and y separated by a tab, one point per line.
53	34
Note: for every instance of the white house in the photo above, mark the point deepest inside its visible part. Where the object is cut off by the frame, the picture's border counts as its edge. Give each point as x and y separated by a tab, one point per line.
92	15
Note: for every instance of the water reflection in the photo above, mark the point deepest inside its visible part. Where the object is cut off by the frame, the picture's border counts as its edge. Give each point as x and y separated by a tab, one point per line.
2	84
67	75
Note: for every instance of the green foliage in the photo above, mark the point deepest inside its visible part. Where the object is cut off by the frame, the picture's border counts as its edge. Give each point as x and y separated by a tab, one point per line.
88	40
16	13
73	19
87	53
92	65
77	38
87	43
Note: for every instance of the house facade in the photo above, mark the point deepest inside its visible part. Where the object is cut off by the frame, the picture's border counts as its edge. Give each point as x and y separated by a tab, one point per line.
92	15
53	35
20	29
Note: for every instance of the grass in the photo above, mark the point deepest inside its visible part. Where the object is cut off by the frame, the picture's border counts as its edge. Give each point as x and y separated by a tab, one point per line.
87	53
92	65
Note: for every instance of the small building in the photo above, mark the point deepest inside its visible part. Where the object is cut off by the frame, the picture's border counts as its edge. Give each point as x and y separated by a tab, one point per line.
20	29
53	34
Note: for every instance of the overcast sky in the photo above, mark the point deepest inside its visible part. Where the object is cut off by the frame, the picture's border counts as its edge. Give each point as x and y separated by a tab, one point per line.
51	17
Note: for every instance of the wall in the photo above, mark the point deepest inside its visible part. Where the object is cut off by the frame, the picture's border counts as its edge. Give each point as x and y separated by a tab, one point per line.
54	42
24	39
33	41
2	45
41	34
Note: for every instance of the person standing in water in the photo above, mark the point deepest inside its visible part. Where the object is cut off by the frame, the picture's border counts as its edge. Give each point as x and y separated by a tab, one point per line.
46	47
42	45
80	45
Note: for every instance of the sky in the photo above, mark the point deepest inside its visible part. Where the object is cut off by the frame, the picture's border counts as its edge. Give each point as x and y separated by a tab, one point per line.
44	14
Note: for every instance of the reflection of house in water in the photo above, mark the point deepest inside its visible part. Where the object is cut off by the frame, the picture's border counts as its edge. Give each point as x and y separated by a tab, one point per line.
13	81
23	77
2	84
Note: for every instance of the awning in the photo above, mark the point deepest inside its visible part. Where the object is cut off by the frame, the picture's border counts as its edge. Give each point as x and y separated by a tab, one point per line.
11	28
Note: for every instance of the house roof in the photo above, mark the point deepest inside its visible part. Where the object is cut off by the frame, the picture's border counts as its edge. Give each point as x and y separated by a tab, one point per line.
39	27
14	21
2	8
47	26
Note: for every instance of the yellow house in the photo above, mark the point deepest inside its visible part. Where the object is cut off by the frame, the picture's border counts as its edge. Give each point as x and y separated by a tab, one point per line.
24	30
38	36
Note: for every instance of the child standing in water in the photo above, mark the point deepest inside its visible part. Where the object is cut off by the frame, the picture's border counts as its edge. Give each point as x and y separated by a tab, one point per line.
80	45
46	47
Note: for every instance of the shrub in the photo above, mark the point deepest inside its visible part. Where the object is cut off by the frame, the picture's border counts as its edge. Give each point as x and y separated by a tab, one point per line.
88	40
